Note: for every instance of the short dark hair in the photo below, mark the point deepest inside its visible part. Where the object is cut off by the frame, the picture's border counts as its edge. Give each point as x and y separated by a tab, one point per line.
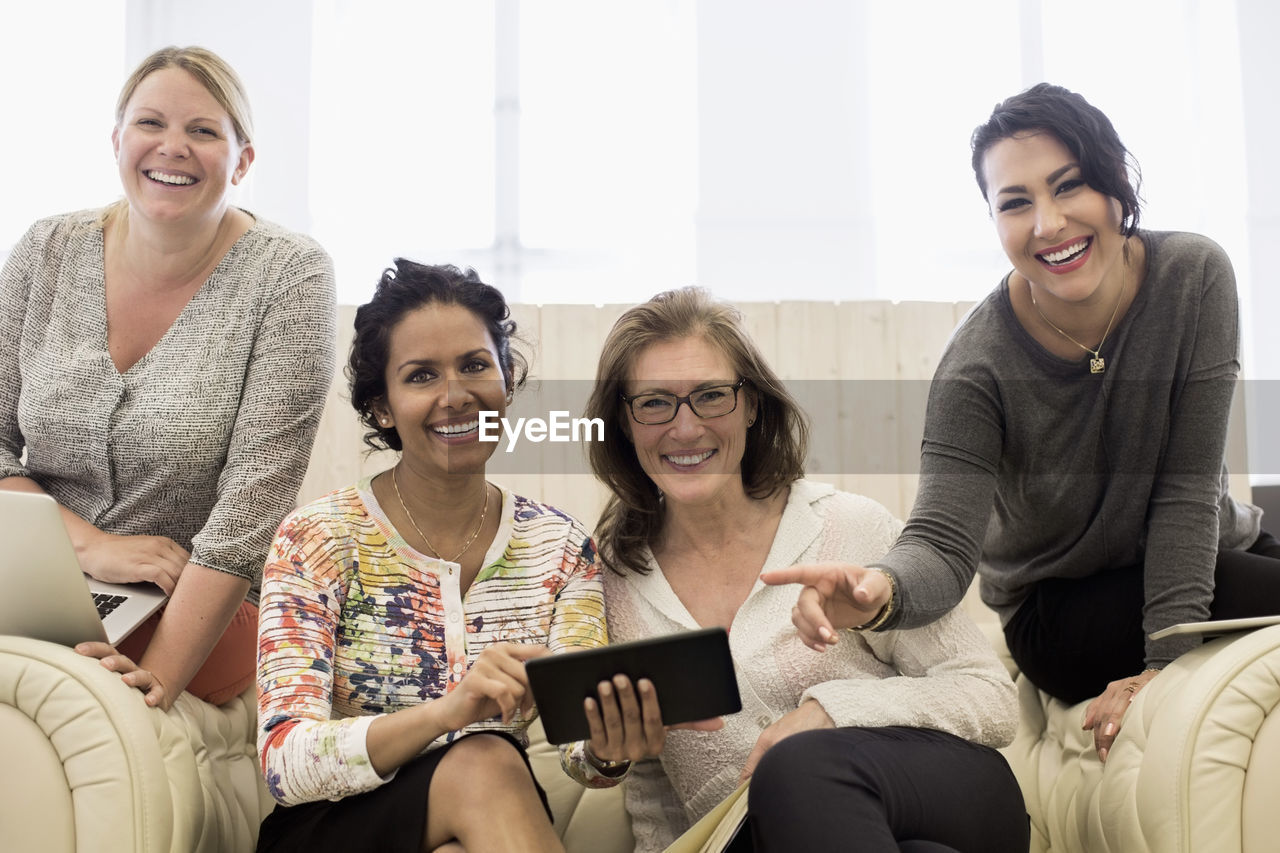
1105	164
406	286
776	444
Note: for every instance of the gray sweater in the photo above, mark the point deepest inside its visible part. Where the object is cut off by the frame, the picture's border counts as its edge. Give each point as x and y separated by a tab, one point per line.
1033	468
207	437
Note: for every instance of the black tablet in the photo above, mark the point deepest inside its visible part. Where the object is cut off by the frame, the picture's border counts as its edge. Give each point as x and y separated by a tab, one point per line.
692	672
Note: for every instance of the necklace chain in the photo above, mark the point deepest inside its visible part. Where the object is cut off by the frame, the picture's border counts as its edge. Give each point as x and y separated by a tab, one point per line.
484	511
1097	364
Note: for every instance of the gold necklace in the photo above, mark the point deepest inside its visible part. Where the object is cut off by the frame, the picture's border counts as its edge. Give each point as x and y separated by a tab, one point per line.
484	511
1097	364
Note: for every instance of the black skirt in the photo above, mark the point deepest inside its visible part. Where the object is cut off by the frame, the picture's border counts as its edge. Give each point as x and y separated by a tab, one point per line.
390	819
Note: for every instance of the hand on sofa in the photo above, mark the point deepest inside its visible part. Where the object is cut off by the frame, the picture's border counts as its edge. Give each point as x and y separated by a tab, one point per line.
148	682
1105	714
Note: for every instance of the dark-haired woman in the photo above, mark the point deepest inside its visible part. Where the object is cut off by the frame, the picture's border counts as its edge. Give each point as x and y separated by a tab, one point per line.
397	613
1076	430
885	744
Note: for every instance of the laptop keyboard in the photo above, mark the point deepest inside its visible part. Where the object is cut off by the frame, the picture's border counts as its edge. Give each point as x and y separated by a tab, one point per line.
106	602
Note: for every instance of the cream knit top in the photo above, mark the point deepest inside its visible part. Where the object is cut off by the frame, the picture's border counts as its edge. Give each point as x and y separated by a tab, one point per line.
944	676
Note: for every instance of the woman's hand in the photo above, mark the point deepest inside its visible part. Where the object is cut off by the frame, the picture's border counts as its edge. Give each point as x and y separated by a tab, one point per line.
1104	714
495	684
148	682
835	595
625	727
128	559
628	727
810	715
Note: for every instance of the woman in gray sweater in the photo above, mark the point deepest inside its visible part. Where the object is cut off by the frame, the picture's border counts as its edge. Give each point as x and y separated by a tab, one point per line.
164	366
1074	442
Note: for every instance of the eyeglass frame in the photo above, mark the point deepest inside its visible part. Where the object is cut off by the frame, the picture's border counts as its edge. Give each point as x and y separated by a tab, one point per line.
685	400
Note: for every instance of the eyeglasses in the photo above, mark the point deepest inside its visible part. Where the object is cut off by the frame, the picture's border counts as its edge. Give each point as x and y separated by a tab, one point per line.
713	401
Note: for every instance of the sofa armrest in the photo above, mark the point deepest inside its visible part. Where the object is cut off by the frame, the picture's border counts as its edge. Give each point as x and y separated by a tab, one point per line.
1195	767
89	767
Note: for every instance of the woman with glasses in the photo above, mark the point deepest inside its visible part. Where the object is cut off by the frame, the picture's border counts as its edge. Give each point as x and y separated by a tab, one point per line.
888	741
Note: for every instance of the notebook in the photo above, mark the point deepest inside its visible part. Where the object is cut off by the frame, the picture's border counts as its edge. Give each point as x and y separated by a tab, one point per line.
1216	627
46	596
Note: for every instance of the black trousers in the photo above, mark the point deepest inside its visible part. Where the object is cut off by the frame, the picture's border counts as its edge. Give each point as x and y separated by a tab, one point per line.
885	790
1073	637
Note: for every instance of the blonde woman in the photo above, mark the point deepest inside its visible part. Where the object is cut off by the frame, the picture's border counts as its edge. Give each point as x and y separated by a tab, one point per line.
165	364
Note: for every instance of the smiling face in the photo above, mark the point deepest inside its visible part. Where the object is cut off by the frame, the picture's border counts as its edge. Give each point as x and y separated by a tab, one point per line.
693	460
177	150
442	371
1057	231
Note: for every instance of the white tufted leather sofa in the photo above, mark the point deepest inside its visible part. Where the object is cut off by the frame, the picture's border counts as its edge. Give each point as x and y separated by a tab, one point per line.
86	767
1195	769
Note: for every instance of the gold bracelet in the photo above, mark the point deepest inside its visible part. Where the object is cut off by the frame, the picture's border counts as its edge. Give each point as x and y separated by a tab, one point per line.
886	611
605	766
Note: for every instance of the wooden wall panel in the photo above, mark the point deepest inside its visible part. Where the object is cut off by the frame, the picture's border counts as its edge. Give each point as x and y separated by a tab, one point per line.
867	418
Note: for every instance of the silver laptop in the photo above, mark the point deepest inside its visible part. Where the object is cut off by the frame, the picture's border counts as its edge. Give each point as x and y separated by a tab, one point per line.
46	596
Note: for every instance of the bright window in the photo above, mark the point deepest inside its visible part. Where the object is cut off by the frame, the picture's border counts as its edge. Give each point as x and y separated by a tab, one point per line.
61	66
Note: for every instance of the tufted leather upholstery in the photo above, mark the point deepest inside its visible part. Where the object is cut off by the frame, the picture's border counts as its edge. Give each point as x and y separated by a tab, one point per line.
86	767
1195	769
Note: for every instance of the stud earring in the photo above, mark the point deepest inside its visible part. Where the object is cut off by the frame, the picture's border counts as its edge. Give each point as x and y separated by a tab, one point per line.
751	422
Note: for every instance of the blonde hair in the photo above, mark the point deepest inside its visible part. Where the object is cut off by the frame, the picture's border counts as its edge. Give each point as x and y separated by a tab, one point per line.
211	70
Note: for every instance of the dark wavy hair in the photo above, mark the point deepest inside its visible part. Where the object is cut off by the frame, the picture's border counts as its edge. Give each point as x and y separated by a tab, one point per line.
776	444
1085	131
406	286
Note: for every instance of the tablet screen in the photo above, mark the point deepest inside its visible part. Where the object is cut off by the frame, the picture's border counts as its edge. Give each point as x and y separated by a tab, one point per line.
692	672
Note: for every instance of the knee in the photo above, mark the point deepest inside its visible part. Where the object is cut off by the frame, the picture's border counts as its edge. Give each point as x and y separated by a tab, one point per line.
485	753
486	762
795	758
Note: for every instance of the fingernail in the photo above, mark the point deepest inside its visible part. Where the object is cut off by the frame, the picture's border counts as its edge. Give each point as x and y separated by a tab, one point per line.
825	634
1102	753
589	704
644	686
1109	729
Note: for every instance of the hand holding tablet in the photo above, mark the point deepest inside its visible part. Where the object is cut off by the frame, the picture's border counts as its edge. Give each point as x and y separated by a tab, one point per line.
691	674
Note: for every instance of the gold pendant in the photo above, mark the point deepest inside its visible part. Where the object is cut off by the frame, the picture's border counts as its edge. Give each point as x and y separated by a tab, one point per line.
1098	365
